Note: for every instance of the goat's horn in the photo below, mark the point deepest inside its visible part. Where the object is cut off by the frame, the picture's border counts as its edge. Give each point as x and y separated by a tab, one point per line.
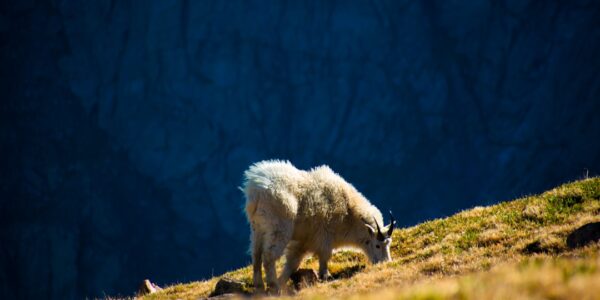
379	234
392	224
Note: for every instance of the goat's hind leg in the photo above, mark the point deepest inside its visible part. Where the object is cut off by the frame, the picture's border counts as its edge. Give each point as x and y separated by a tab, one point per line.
257	253
274	244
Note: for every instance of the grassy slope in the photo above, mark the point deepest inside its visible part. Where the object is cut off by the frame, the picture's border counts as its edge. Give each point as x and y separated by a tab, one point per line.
477	253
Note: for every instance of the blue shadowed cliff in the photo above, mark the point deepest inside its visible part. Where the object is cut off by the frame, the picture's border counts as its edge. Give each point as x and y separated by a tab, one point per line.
125	126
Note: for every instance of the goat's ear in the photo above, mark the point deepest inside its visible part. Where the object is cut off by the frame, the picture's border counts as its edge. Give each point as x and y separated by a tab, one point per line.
370	229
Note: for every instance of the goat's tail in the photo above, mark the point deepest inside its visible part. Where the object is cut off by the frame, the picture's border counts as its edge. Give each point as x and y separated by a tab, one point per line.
256	182
262	185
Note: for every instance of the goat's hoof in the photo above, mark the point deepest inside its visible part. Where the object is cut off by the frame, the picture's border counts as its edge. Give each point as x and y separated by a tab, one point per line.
273	290
325	277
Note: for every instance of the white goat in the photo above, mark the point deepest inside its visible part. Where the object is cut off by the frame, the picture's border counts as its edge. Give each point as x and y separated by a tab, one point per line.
307	211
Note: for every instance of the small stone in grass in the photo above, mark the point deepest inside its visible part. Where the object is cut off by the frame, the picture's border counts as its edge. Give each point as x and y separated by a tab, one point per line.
584	235
229	286
147	287
304	278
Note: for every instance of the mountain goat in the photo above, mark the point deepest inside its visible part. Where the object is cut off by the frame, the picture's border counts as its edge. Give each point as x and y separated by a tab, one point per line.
307	211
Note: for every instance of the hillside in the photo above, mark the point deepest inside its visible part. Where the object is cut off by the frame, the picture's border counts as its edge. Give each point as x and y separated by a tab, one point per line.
513	249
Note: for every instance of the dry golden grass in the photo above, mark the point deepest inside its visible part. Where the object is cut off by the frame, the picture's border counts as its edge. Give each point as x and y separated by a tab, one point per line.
540	277
514	250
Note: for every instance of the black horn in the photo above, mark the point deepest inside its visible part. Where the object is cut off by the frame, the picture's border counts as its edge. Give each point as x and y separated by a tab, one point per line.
392	225
379	234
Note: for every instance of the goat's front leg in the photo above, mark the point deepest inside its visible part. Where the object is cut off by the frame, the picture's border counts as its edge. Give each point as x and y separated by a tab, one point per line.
324	257
294	255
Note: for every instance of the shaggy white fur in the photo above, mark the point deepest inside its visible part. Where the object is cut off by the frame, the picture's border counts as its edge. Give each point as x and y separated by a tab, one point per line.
307	212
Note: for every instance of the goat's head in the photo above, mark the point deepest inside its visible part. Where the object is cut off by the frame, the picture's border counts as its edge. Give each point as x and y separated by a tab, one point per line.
377	243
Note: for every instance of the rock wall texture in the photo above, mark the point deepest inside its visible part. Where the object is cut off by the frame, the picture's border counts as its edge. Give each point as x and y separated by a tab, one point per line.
125	126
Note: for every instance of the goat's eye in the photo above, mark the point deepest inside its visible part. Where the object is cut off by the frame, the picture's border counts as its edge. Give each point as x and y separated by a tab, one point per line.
377	246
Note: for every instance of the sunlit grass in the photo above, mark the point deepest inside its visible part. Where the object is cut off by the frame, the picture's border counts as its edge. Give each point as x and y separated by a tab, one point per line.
506	250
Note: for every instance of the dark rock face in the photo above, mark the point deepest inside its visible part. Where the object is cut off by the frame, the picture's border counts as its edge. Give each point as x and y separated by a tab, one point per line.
125	126
584	235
